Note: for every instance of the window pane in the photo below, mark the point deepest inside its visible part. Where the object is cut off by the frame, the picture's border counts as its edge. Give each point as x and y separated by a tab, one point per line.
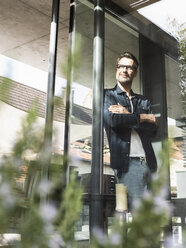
176	128
118	38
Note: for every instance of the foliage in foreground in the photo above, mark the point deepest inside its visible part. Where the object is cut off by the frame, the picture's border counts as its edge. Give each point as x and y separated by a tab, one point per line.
47	213
45	210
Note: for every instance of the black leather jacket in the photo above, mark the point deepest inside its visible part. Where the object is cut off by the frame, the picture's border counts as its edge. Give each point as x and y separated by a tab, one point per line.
118	128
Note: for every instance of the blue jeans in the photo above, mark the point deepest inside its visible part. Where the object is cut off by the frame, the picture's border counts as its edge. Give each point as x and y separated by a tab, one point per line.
137	180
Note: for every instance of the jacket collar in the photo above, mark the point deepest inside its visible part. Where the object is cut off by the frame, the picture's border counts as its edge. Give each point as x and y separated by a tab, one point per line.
120	91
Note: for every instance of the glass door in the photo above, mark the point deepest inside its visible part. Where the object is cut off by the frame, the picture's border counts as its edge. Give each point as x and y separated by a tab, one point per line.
118	38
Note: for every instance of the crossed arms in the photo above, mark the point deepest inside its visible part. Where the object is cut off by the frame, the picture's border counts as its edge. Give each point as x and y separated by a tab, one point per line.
118	109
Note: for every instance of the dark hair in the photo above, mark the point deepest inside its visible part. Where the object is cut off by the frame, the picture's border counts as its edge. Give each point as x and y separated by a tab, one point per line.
128	55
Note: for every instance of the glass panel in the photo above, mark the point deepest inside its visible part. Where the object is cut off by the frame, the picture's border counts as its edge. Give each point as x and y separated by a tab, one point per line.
118	37
81	118
24	52
177	234
176	128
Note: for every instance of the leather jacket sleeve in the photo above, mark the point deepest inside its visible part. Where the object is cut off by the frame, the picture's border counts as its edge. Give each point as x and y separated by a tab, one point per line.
118	120
150	129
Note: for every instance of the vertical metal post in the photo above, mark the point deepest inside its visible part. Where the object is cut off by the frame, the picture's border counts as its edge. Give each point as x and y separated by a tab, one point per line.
96	206
51	84
69	81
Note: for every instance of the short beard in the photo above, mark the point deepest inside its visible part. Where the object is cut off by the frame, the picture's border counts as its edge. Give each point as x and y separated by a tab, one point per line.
125	82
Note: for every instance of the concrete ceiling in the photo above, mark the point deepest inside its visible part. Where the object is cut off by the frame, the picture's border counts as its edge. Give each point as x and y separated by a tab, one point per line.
25	29
25	33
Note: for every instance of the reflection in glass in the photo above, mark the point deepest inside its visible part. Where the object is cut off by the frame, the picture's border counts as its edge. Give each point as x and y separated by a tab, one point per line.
118	38
176	128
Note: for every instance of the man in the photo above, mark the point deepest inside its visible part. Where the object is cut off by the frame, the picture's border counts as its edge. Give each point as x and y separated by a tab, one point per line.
129	124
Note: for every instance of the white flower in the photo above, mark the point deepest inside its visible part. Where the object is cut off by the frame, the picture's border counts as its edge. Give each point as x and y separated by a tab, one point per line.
115	239
100	236
147	195
6	195
56	241
136	204
161	205
48	212
44	187
171	244
154	177
164	192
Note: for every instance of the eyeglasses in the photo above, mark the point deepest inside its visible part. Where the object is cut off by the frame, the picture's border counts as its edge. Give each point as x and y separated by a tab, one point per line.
128	67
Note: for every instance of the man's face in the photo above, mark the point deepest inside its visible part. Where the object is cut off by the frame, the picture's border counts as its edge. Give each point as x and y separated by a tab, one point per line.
126	71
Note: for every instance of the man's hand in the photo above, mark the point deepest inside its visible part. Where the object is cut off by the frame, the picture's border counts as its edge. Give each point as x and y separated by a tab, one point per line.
118	109
148	118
